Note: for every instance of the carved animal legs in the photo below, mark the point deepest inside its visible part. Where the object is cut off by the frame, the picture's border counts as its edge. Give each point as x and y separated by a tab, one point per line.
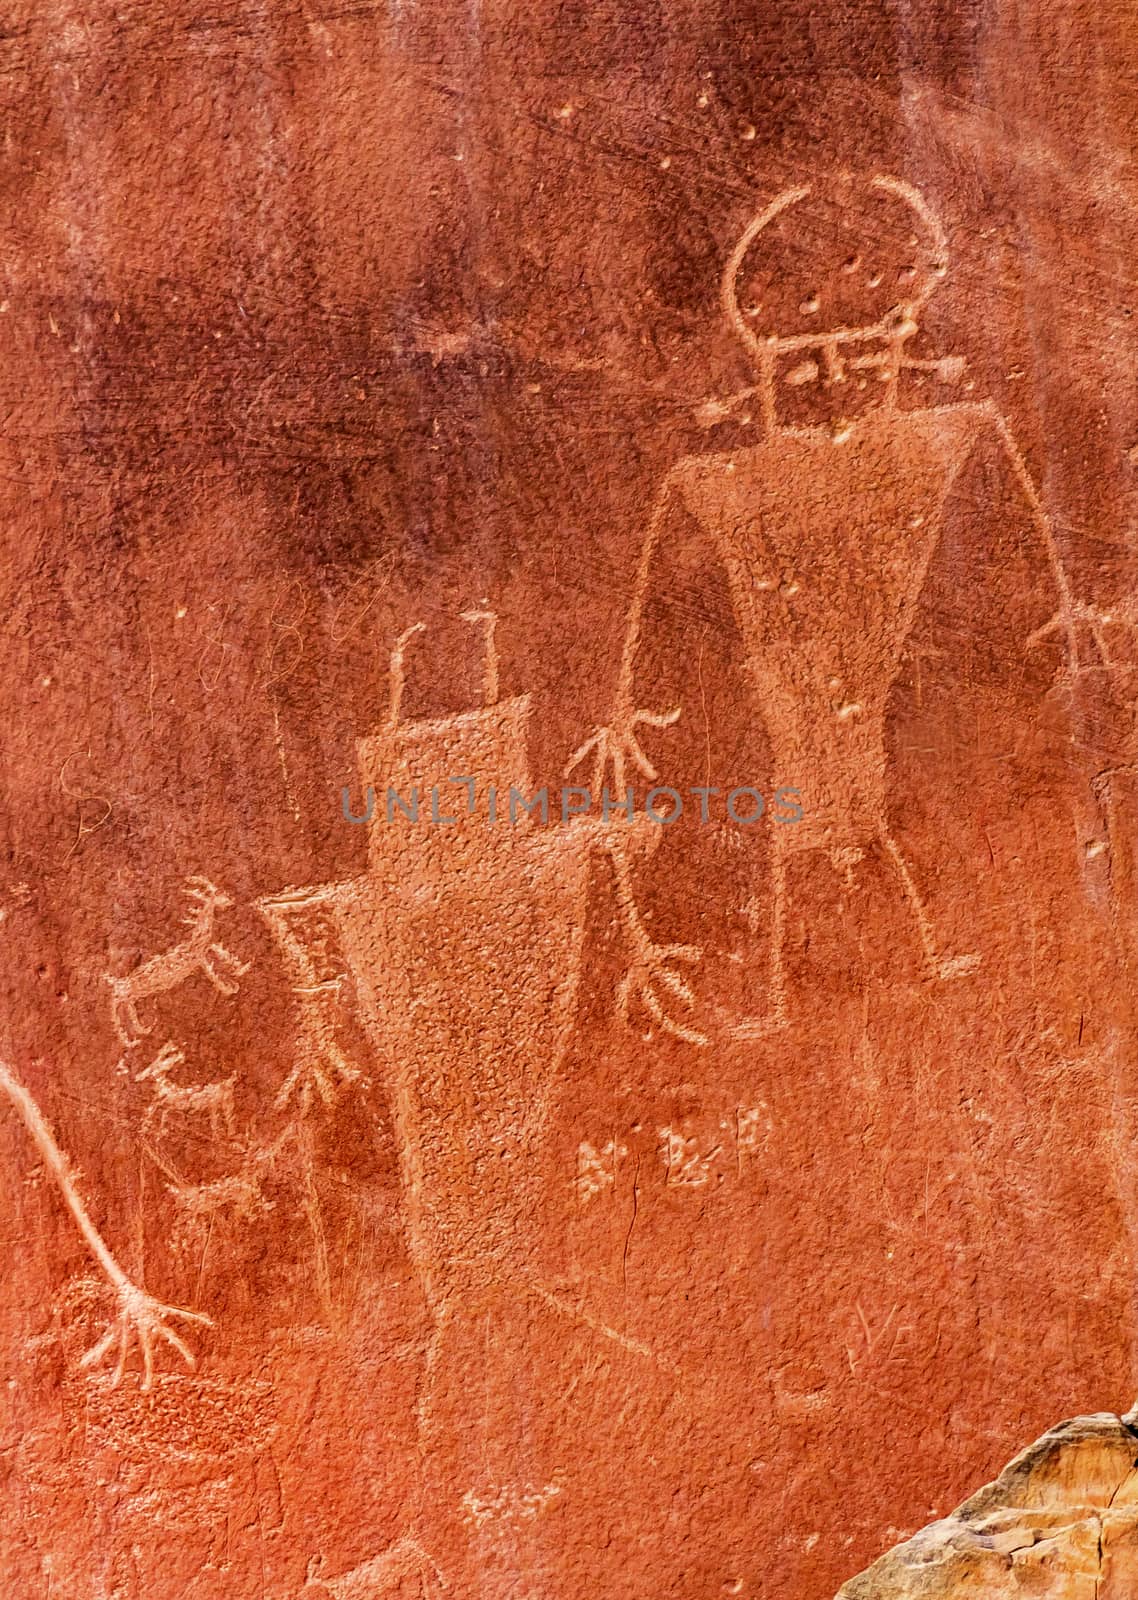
220	954
938	966
128	1024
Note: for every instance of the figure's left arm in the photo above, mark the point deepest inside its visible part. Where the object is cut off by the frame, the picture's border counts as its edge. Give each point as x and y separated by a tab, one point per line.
1071	611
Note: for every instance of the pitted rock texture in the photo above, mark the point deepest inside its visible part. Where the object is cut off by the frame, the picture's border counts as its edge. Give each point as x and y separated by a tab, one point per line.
1059	1523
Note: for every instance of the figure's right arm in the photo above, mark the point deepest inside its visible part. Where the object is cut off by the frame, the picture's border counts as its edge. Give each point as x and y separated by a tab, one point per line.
615	746
652	981
665	500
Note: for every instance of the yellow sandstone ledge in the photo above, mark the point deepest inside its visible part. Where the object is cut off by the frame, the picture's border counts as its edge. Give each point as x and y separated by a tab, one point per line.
1060	1522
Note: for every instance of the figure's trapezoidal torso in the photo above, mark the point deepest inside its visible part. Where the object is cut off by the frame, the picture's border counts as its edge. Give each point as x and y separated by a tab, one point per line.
825	542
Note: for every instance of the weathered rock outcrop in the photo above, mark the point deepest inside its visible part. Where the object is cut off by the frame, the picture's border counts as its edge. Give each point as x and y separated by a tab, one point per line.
1060	1521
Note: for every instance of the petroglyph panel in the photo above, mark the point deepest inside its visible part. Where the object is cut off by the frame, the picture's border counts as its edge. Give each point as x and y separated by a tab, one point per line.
569	893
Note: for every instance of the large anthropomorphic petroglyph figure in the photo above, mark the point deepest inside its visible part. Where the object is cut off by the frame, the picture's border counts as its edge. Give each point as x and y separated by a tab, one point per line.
821	527
462	944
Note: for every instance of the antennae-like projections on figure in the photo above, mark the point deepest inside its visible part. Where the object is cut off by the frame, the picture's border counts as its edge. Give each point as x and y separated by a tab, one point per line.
489	620
397	676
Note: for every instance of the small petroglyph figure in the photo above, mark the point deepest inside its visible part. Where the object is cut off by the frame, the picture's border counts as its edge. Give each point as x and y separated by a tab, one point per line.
597	1168
198	952
463	942
211	1100
881	1342
303	926
140	1319
823	532
686	1163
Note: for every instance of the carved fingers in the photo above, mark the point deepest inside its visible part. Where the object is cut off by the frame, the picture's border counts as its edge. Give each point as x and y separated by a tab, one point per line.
328	1076
616	746
652	971
144	1321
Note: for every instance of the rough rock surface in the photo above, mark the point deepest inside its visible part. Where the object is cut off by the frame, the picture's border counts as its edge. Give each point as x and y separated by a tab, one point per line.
706	395
1059	1523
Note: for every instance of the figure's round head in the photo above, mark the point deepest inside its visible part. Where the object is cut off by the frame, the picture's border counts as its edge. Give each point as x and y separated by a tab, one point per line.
825	283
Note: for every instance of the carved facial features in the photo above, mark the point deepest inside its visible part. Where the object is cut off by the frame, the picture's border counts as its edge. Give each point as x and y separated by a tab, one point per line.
826	290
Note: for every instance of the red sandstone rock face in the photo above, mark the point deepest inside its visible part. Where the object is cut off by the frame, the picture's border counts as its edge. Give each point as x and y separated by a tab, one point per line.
477	400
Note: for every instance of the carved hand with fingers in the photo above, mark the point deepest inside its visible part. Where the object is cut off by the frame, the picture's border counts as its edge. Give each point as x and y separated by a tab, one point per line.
652	966
143	1320
648	972
140	1318
616	745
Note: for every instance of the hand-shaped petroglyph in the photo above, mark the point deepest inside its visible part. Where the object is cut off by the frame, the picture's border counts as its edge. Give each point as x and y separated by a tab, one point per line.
299	921
616	744
651	967
199	952
324	1071
140	1318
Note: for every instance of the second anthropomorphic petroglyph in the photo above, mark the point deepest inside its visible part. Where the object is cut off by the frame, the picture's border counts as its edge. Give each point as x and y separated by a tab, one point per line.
823	529
464	945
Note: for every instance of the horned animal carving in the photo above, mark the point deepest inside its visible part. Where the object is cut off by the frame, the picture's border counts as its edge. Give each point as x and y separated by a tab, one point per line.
198	952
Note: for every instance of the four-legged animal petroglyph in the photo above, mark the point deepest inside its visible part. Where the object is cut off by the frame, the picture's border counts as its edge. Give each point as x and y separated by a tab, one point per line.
199	952
824	535
140	1318
211	1100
